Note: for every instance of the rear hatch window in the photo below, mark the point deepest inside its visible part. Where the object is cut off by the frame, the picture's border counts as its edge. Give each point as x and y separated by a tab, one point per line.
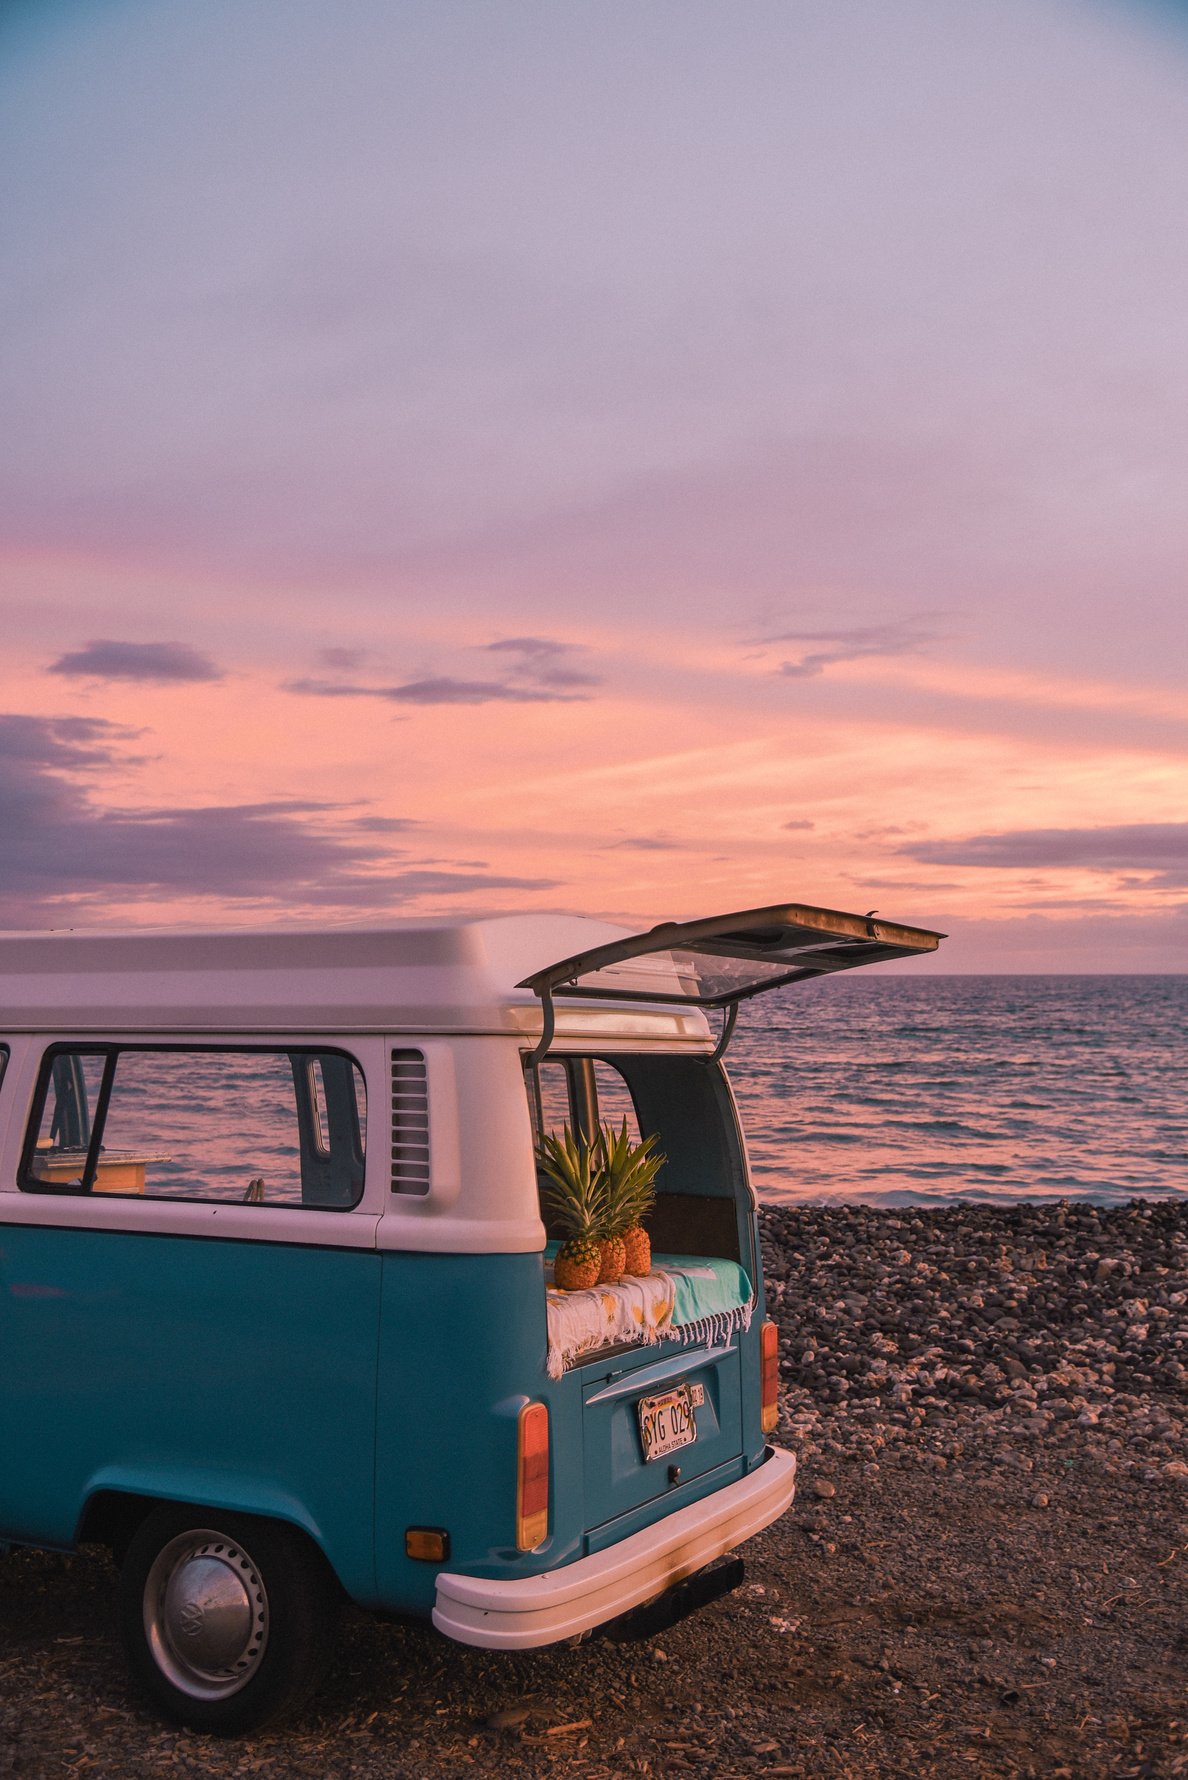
728	958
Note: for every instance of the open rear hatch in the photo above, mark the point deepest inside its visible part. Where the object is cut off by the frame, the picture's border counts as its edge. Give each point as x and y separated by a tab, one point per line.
655	1420
727	958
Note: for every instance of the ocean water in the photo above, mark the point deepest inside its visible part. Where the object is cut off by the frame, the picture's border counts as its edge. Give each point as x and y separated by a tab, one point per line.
924	1089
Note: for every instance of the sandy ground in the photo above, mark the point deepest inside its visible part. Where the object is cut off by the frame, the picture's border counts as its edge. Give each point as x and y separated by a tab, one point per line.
998	1585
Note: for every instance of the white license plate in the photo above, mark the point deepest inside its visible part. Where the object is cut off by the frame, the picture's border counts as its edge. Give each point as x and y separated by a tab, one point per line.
666	1422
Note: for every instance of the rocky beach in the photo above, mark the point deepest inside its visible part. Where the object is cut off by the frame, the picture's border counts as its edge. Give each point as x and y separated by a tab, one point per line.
984	1573
1047	1327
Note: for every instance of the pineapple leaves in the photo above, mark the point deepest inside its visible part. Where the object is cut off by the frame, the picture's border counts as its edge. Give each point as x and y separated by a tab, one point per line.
600	1187
575	1184
631	1170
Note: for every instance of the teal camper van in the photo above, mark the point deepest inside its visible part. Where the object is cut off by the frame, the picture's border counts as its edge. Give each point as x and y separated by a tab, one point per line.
277	1315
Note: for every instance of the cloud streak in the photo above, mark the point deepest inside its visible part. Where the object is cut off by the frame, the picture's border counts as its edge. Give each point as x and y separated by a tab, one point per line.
1157	850
104	658
821	649
439	689
543	660
538	673
644	843
62	849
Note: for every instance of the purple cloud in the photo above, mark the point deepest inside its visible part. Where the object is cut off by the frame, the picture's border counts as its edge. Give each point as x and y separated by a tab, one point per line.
820	649
1157	850
440	689
61	848
54	744
445	690
542	660
537	673
530	646
385	824
166	663
645	843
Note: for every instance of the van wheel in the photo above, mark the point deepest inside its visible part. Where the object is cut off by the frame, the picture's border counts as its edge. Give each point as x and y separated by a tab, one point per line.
224	1617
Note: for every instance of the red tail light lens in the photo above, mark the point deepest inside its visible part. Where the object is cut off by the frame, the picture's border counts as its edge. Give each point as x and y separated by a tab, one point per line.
769	1377
532	1477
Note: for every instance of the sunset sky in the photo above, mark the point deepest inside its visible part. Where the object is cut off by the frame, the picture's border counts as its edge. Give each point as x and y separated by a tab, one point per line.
635	457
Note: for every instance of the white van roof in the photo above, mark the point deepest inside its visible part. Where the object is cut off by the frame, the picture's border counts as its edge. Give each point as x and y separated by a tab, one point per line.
407	975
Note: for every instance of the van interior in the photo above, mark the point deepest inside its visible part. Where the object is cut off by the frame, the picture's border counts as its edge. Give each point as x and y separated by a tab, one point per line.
701	1198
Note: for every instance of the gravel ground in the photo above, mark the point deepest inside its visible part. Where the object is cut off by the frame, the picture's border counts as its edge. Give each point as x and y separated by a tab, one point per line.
984	1573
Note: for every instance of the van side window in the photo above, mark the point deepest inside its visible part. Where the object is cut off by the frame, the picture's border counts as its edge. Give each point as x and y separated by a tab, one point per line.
282	1128
614	1099
71	1093
319	1123
554	1095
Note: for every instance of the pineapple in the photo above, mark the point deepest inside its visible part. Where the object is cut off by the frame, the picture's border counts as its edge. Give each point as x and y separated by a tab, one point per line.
630	1170
575	1192
637	1250
578	1265
612	1257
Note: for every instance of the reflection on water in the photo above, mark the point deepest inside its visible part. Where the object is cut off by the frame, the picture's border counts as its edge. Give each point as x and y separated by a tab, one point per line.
932	1088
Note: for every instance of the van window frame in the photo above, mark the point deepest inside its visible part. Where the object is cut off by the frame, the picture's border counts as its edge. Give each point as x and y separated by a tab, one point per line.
581	1083
110	1050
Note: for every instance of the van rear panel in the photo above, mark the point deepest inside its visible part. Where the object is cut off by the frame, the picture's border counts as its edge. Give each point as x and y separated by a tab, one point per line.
622	1405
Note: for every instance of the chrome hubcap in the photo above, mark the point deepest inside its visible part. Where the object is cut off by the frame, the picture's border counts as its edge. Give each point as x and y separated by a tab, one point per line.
206	1614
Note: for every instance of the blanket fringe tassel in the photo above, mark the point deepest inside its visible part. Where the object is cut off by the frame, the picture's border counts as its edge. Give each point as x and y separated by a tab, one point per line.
707	1331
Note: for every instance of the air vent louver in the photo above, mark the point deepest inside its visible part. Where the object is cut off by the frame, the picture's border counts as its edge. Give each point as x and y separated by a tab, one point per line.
410	1123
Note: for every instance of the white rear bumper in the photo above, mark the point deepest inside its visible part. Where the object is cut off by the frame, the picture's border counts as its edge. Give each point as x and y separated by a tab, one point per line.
533	1610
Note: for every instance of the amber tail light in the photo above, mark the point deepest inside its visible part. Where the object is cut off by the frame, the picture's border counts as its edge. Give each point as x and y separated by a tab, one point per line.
769	1377
532	1477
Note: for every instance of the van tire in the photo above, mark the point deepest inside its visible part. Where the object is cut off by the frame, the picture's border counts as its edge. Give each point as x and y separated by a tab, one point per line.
225	1618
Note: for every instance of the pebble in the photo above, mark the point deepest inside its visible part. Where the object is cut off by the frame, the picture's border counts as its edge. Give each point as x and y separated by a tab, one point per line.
823	1489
